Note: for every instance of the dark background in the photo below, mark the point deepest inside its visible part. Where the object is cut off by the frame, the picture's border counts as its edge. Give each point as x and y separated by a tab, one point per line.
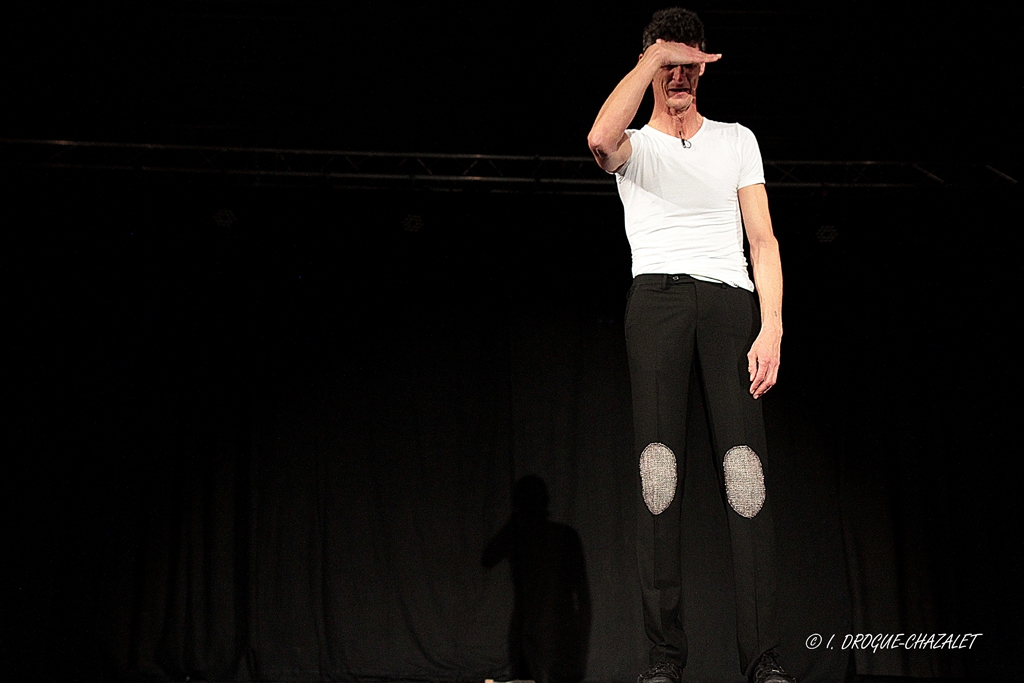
901	81
265	433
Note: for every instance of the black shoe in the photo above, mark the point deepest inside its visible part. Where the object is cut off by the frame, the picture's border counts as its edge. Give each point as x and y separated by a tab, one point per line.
769	671
664	672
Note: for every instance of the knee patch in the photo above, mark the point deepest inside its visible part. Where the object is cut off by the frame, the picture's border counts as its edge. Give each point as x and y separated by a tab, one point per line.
658	477
744	481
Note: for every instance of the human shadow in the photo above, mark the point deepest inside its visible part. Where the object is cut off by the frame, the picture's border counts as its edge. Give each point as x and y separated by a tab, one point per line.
550	631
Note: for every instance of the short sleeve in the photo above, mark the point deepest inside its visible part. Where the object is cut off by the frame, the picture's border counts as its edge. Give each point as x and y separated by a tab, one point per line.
751	166
636	142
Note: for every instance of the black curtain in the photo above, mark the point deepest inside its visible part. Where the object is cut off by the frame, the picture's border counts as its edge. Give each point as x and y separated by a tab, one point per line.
269	433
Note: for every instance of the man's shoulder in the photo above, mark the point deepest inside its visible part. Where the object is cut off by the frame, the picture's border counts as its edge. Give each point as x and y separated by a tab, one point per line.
732	129
643	134
645	143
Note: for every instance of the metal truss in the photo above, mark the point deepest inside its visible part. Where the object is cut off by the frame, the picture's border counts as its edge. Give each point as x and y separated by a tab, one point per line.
885	174
453	172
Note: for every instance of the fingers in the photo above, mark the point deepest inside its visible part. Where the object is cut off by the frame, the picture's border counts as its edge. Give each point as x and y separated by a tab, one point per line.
765	377
690	54
757	384
762	385
763	365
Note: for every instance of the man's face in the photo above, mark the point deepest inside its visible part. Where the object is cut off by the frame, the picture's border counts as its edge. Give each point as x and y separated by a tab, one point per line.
676	85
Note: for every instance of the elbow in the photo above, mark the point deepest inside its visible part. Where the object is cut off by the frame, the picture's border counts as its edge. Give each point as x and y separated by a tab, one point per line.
598	145
601	143
763	244
609	147
764	251
602	147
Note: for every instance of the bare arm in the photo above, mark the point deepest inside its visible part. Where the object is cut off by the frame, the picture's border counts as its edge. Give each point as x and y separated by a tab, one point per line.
608	140
764	355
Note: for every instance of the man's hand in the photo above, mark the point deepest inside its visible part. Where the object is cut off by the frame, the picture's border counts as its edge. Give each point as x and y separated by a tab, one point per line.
667	53
763	362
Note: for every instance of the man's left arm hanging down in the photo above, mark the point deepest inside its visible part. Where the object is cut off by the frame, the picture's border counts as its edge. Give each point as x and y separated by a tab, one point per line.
763	358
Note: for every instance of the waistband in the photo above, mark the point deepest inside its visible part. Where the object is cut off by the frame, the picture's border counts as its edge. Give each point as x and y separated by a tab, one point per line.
666	280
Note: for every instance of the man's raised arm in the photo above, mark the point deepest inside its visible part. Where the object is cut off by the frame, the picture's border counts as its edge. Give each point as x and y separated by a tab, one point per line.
608	140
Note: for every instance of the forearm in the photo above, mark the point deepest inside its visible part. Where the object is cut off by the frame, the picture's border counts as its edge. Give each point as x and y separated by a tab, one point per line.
767	264
618	110
764	255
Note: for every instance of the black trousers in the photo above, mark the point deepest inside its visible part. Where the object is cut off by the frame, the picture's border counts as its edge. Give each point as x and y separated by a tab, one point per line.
672	322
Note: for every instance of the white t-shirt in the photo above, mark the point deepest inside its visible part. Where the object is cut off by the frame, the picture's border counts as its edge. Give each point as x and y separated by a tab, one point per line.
681	203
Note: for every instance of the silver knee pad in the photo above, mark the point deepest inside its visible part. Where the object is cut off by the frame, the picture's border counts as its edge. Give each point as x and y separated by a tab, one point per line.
744	481
658	477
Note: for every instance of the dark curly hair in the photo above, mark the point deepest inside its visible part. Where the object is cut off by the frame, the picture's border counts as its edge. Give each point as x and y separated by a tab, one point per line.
677	25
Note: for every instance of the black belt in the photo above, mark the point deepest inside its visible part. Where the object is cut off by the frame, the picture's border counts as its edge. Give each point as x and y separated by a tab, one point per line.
666	280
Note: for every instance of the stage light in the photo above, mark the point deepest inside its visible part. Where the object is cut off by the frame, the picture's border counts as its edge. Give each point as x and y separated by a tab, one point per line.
224	218
827	233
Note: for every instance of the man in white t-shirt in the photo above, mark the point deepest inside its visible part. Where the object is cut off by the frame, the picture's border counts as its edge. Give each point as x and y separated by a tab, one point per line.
690	187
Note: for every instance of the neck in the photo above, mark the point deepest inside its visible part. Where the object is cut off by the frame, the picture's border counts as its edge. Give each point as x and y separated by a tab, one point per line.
681	123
